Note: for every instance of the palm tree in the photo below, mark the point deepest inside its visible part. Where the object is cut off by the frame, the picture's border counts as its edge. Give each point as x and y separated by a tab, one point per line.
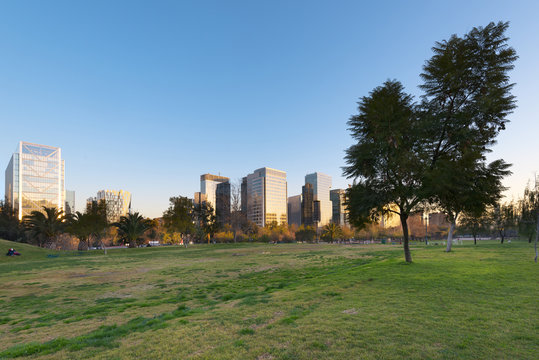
331	231
45	226
79	226
132	227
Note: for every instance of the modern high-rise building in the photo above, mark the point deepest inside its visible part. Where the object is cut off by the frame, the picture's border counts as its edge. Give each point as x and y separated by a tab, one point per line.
118	203
35	178
340	214
267	196
307	205
321	185
208	187
69	202
222	203
244	196
294	210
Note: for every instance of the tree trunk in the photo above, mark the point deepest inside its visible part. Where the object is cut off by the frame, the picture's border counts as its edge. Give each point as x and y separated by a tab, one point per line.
103	246
83	245
450	236
404	224
502	235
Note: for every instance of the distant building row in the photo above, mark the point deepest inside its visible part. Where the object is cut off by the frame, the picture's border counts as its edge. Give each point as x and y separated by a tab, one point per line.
264	199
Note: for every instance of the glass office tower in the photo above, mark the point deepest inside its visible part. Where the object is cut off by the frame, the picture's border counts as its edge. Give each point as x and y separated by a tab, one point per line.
208	187
35	178
267	196
321	184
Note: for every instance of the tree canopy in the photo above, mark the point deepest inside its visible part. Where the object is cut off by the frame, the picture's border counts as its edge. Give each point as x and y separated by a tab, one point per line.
434	152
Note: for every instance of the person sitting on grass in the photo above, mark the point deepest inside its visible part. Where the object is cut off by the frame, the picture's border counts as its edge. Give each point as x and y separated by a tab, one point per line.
12	252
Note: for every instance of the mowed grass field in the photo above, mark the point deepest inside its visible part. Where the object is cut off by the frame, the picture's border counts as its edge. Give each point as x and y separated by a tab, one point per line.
258	301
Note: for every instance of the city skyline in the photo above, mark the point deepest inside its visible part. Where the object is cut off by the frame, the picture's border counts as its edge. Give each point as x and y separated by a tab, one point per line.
156	95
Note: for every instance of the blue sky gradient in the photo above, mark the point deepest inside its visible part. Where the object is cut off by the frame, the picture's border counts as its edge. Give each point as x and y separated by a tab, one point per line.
147	96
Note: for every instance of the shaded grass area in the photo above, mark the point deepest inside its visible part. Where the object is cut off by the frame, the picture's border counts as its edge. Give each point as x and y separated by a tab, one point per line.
293	301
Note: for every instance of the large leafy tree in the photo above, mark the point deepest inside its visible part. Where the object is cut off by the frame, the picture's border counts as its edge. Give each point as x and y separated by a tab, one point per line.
44	226
466	103
178	218
132	227
407	155
388	160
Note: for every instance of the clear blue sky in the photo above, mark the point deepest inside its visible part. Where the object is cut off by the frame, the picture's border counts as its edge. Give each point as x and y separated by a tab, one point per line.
147	95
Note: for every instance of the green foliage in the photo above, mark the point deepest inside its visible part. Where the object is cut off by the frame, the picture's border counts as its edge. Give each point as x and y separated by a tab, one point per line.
306	234
132	227
388	158
331	232
205	220
44	226
503	217
178	217
89	225
529	210
434	153
10	227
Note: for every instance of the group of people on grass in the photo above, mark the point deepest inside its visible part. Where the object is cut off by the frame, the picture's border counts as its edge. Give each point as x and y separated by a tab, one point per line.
12	252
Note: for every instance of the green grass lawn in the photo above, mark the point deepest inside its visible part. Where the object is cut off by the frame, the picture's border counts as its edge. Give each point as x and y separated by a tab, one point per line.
256	301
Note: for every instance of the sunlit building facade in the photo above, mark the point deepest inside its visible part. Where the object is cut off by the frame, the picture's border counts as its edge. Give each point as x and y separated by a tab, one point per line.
321	186
35	178
266	190
340	213
208	187
118	203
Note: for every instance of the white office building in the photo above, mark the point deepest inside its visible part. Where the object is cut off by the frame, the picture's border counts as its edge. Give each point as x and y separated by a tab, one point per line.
35	178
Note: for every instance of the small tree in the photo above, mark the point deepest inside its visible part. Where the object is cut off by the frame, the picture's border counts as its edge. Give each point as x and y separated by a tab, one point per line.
475	222
331	232
503	219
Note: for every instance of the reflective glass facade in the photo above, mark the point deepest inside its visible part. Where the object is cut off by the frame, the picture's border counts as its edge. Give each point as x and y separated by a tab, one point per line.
321	186
208	187
267	196
35	178
340	214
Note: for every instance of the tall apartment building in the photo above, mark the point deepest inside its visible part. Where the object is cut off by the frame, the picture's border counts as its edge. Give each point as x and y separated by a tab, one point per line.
35	178
294	210
321	186
118	203
215	190
266	190
340	214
